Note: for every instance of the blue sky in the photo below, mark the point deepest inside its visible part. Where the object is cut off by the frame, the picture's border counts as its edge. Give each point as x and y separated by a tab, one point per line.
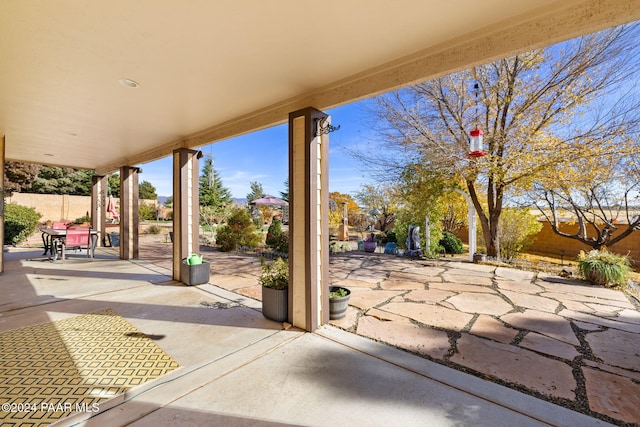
263	156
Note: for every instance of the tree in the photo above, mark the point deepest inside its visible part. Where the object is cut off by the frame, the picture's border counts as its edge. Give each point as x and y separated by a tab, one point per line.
380	201
212	191
256	191
284	195
147	191
336	210
19	176
536	111
113	184
602	199
57	180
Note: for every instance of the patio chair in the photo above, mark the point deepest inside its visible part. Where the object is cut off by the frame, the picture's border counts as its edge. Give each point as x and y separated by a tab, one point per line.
77	238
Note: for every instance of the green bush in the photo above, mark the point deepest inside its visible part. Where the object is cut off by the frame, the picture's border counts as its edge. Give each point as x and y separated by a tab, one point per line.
146	212
20	222
518	229
451	244
239	231
282	245
604	268
82	219
274	233
153	229
274	275
389	237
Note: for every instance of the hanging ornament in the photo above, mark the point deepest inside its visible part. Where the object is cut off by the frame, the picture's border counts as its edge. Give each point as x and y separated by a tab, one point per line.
475	142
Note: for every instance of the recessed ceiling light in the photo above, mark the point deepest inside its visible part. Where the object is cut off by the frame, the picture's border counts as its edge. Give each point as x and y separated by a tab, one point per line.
129	83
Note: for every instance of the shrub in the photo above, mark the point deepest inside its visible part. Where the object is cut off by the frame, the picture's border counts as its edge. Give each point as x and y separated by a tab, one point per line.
274	275
451	244
389	237
153	229
82	219
146	212
282	245
20	222
239	231
274	233
517	231
604	268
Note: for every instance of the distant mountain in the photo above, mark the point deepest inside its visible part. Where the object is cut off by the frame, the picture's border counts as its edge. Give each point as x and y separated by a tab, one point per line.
162	199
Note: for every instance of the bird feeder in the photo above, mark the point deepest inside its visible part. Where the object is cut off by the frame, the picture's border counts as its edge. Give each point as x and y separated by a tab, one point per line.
475	144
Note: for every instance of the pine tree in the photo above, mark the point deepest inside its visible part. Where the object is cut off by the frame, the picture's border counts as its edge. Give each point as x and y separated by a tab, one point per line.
212	191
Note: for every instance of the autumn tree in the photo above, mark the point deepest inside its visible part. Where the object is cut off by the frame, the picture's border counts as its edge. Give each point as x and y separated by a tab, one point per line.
600	194
19	176
534	109
337	201
381	203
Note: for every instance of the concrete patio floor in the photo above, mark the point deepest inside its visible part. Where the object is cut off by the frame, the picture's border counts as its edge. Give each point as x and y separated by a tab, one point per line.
557	339
237	368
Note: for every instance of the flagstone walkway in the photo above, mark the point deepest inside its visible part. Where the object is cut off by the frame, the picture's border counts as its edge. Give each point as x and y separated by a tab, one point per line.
557	339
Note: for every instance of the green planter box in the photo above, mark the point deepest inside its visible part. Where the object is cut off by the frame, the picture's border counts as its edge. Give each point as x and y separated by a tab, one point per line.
195	274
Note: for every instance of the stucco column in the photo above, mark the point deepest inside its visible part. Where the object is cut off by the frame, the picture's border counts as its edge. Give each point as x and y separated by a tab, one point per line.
308	219
186	206
98	206
129	219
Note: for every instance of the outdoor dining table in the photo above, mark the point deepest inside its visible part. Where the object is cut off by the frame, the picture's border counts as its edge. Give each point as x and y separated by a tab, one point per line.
52	236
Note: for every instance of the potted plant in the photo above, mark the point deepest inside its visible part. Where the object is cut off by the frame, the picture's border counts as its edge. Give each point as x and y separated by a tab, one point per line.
338	302
370	243
604	268
194	270
275	289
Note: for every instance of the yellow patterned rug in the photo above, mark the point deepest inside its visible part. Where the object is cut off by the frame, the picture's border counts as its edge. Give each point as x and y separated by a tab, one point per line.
50	371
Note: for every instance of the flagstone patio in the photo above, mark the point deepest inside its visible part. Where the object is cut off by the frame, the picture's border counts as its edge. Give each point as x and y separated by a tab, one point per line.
557	339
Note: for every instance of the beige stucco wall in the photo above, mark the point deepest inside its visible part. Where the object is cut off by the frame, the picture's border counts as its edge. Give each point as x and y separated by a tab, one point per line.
57	207
550	244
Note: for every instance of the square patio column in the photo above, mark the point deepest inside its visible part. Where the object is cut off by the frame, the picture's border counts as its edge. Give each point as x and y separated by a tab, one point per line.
129	219
186	206
98	206
308	219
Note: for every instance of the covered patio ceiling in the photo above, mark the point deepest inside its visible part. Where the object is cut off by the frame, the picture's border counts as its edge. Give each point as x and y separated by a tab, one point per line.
210	70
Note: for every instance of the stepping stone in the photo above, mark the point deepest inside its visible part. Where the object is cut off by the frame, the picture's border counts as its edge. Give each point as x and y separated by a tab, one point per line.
455	287
612	395
431	296
424	341
517	365
479	303
519	286
550	346
365	299
617	348
606	322
431	315
548	324
488	327
401	285
514	274
532	301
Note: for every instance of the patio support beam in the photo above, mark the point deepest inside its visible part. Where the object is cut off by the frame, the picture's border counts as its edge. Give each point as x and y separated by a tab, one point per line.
98	206
2	193
308	219
186	206
129	219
